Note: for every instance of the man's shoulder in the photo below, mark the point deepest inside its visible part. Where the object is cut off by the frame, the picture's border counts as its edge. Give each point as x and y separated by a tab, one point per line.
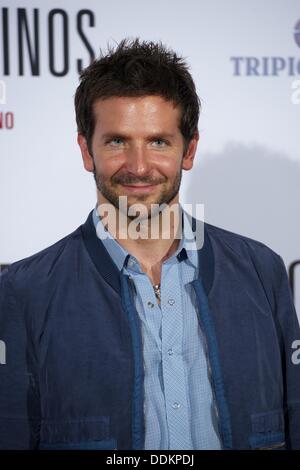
240	244
249	254
46	260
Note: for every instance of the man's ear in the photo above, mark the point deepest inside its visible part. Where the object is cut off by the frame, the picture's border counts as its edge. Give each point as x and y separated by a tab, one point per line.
188	158
87	158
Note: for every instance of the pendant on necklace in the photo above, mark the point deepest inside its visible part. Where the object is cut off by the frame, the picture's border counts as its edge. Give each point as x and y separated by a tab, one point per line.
156	288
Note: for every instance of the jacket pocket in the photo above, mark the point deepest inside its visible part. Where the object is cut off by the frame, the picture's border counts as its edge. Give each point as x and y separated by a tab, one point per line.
86	434
268	431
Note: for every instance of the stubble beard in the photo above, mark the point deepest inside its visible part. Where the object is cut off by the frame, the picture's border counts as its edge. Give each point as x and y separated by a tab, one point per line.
108	189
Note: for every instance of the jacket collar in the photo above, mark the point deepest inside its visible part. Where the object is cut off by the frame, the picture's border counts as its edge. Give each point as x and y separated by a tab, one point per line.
109	271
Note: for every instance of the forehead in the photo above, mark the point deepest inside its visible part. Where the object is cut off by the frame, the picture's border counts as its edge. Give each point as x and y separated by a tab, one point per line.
136	112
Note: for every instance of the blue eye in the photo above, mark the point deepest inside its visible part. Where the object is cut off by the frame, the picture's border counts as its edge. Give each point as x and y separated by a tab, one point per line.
162	141
117	140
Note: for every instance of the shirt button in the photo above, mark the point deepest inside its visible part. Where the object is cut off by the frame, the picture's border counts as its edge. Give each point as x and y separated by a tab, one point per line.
150	304
171	301
176	405
170	352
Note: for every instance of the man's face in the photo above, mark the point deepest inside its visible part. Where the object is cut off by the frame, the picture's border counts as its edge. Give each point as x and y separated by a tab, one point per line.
137	150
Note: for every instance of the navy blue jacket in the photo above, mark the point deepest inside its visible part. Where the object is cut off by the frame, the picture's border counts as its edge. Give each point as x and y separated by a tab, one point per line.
73	376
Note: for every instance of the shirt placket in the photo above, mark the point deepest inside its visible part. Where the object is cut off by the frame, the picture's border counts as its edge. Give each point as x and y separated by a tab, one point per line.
176	397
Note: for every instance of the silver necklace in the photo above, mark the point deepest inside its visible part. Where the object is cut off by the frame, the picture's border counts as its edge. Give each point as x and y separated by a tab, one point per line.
156	288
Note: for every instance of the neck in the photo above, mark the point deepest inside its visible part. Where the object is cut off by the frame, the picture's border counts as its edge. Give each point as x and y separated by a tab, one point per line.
151	241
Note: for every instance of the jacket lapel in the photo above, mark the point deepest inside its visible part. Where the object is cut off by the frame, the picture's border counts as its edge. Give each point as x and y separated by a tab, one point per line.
100	257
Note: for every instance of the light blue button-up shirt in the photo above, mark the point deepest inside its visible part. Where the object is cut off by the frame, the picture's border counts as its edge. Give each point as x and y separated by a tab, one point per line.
179	407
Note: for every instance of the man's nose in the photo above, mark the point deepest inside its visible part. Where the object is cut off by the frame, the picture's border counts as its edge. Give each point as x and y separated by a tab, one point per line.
137	161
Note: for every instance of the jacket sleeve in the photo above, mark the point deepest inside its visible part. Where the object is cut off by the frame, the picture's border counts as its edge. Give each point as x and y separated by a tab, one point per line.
288	331
19	397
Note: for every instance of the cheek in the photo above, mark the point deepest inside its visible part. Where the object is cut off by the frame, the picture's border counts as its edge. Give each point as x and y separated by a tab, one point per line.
108	165
169	166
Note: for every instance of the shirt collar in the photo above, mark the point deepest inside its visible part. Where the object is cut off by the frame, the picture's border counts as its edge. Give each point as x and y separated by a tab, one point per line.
187	248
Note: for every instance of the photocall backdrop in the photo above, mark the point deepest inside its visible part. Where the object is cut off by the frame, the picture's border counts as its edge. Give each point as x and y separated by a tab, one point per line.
245	59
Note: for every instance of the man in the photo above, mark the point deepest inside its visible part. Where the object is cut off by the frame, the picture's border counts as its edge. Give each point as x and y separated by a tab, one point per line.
120	340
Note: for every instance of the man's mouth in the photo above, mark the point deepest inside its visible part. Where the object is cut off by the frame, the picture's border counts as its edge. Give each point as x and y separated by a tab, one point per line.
139	188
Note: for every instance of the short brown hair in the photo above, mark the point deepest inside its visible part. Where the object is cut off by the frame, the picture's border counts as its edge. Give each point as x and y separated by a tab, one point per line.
137	68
